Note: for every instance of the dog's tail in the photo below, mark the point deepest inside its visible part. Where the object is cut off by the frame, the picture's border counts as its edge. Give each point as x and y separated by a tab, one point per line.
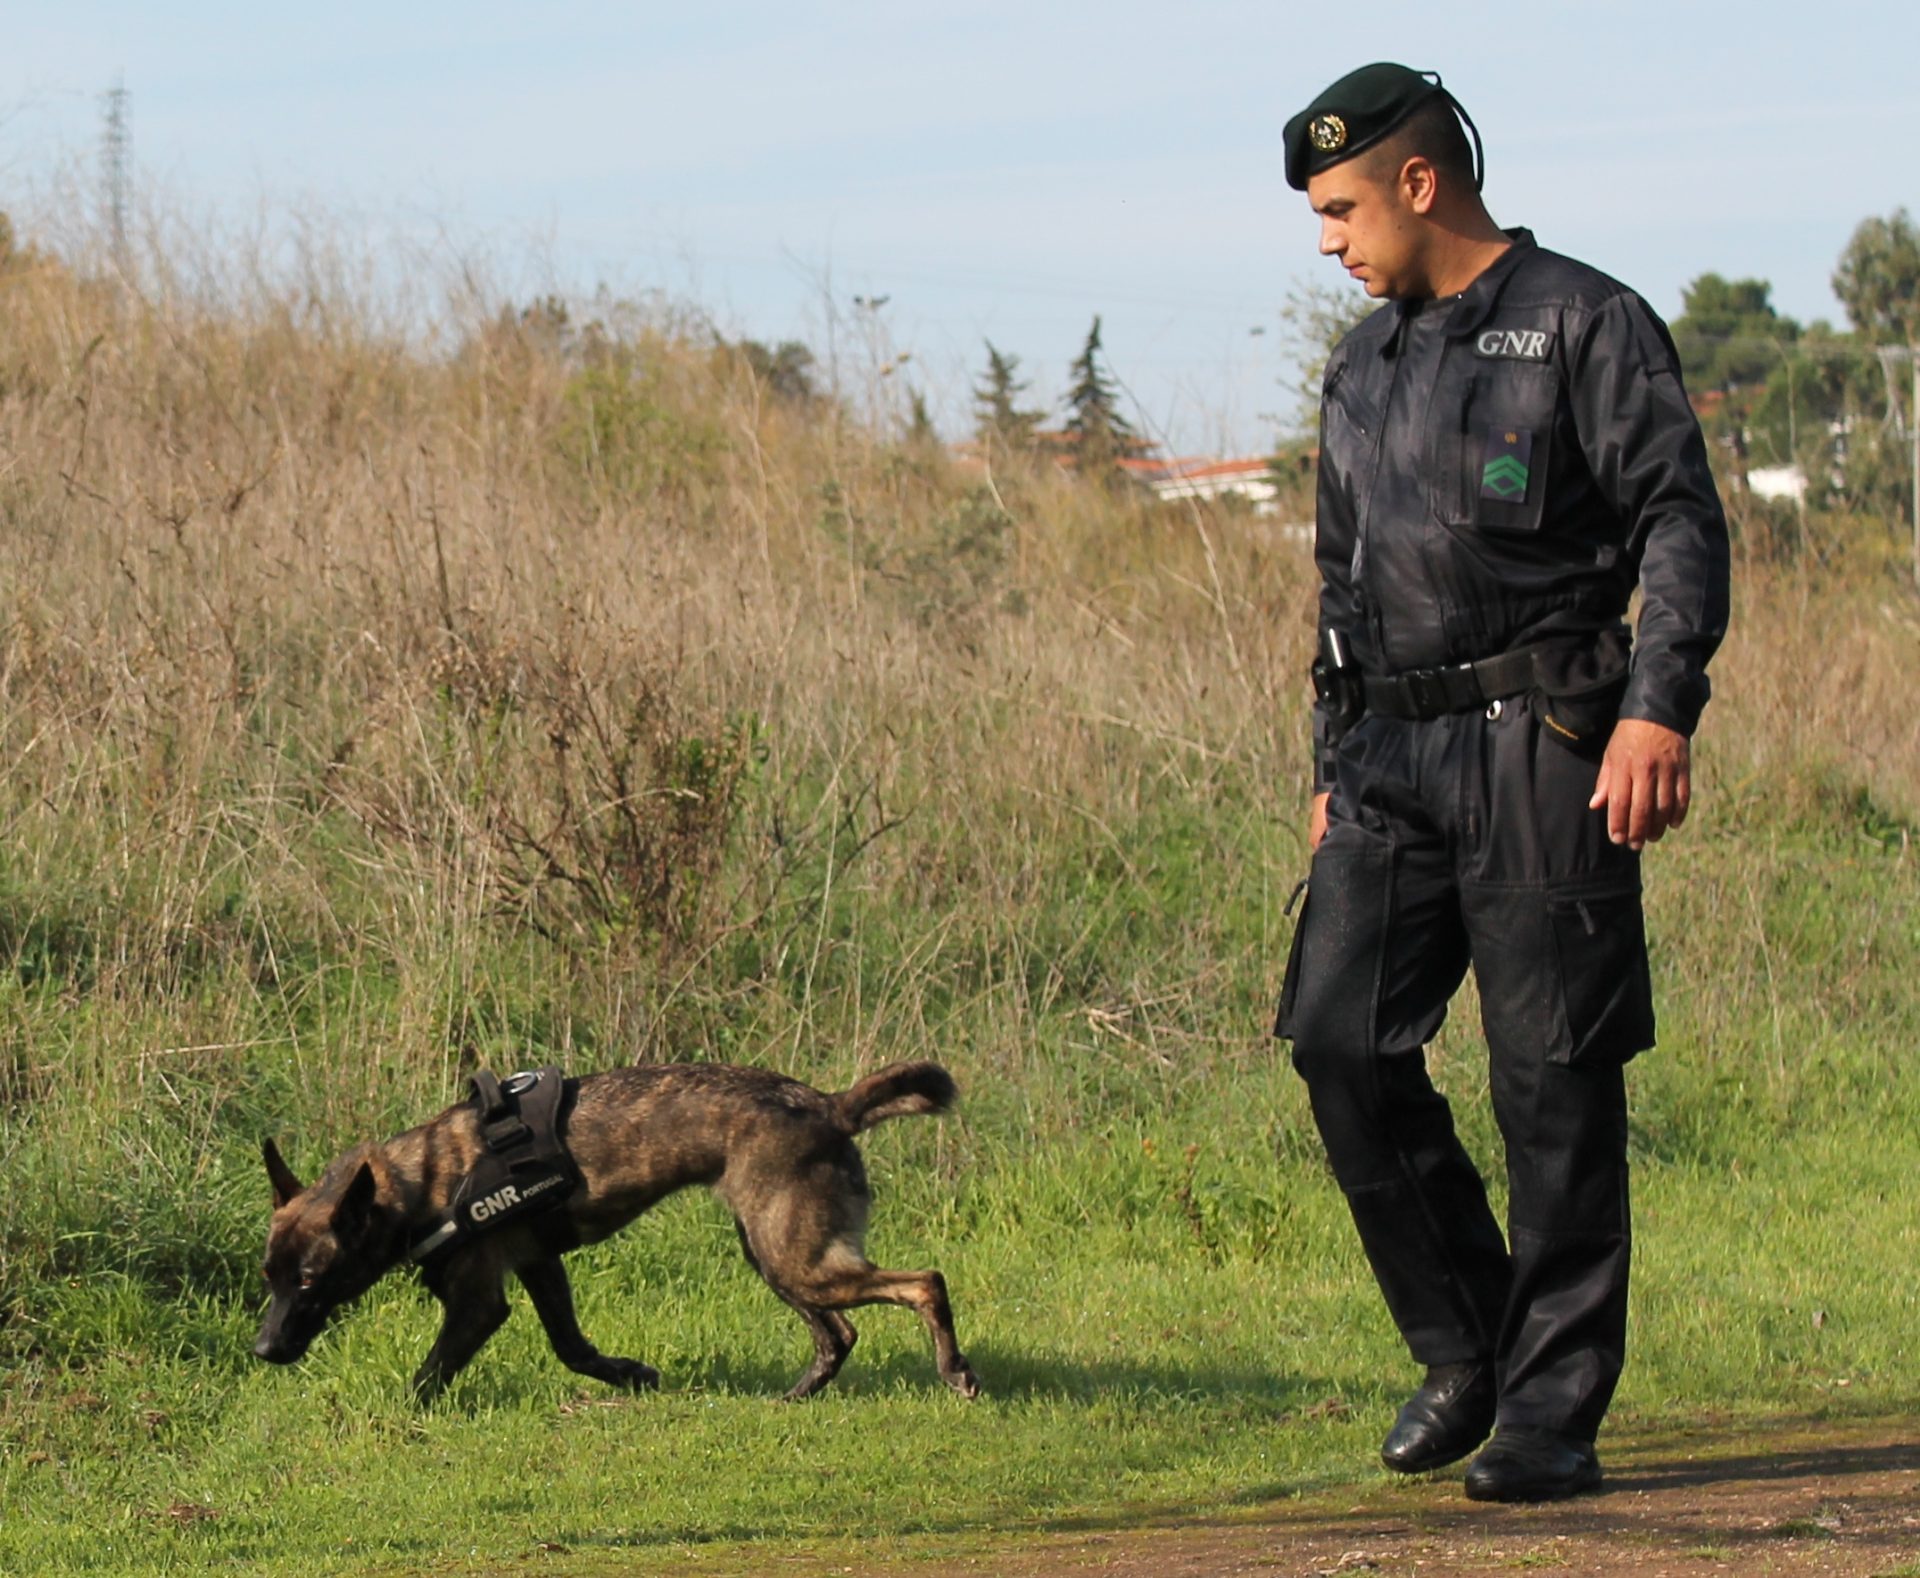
897	1091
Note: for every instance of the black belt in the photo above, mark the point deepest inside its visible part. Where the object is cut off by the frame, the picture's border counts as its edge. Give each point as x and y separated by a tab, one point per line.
1418	694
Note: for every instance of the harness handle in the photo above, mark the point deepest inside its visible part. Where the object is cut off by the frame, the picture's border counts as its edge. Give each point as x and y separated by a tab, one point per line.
500	1126
488	1099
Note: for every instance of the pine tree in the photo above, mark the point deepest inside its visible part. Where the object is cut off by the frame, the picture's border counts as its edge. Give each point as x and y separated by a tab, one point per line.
921	433
998	422
1098	436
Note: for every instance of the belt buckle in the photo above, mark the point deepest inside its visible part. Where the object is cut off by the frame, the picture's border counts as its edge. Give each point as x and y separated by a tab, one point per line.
1427	691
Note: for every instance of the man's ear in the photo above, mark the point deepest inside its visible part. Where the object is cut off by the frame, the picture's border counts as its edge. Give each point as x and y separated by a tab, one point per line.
355	1210
285	1185
1419	184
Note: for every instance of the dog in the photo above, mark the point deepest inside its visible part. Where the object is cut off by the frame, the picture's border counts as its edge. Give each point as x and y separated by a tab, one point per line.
779	1153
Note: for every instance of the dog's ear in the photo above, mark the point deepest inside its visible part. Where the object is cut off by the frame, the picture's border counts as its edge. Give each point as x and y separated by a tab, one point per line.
354	1213
285	1185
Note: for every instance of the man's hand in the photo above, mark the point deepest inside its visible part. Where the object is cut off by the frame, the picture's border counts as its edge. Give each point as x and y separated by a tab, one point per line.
1317	822
1645	782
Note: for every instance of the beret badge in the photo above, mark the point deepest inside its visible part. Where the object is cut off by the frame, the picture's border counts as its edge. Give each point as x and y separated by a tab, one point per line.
1328	133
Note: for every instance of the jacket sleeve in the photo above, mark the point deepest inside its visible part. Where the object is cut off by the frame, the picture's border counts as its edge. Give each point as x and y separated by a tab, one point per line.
1646	455
1333	541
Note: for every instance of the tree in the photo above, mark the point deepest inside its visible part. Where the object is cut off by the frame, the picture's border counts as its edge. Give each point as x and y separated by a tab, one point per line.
786	370
1729	336
1098	436
1738	355
922	435
1314	319
998	421
1878	282
1878	279
1818	397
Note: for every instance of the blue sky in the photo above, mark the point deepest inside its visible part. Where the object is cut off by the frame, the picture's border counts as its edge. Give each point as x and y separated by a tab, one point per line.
995	169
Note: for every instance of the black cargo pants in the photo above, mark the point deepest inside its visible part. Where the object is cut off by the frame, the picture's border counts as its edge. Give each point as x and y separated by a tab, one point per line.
1462	839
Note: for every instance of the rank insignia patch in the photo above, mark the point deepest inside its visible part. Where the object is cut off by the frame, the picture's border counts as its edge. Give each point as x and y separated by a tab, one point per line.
1328	133
1504	468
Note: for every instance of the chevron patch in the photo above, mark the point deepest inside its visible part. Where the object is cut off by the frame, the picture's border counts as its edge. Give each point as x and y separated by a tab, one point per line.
1504	470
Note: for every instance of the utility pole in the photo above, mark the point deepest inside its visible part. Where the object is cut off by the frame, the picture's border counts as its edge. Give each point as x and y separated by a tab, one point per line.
1911	356
116	158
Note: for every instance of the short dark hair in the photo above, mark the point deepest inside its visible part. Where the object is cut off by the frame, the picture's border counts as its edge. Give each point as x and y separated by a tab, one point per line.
1432	132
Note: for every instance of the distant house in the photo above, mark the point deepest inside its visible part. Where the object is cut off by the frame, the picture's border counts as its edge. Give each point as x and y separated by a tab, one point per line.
1778	482
1207	477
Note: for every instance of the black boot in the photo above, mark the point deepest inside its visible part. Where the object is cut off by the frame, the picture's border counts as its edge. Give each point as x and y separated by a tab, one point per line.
1532	1465
1442	1422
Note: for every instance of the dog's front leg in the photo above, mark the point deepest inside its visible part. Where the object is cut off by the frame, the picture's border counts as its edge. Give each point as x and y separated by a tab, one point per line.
546	1283
473	1301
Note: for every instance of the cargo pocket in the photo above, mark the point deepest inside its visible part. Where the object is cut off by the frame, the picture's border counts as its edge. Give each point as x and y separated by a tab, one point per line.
1290	982
1581	719
1606	993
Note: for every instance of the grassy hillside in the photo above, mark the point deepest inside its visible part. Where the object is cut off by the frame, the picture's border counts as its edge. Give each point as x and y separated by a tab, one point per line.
378	701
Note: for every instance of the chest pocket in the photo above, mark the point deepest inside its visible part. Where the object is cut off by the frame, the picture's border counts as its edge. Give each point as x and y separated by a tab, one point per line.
1493	446
1349	434
1350	421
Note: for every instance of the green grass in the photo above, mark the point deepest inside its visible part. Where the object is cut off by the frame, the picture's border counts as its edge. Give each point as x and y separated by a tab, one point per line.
1129	1371
1152	1270
368	712
1160	1329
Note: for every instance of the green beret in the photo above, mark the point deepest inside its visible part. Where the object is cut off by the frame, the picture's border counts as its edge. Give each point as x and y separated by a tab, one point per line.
1359	110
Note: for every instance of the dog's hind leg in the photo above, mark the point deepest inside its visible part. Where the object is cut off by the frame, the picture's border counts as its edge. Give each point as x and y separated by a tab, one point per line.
806	1241
833	1340
832	1287
833	1333
546	1284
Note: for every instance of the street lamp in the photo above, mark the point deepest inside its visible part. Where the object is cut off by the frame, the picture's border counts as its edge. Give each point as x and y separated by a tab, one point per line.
1907	354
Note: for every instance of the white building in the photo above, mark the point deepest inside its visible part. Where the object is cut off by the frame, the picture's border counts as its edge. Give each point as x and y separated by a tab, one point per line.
1203	477
1778	482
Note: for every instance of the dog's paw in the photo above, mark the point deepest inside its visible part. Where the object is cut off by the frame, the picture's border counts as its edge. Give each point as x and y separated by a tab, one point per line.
962	1379
632	1375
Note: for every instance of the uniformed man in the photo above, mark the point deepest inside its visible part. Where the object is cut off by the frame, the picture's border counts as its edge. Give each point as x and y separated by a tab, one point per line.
1505	454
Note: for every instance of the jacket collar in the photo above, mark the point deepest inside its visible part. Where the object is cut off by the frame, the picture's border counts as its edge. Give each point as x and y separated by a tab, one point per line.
1478	300
1474	305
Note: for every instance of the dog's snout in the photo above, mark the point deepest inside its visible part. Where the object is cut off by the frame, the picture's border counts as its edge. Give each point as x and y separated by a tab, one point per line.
275	1347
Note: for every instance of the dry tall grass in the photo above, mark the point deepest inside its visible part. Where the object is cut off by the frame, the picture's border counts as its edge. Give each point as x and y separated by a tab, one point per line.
350	667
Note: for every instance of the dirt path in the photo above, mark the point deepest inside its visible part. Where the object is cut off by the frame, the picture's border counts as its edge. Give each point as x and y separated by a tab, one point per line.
1828	1497
1834	1499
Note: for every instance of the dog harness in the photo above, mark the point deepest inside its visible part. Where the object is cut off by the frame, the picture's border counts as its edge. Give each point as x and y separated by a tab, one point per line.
524	1165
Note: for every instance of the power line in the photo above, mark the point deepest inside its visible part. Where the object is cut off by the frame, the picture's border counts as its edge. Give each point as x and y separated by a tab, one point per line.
1786	348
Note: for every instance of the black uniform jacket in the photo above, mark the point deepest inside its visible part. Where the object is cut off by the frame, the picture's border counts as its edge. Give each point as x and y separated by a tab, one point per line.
1503	467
